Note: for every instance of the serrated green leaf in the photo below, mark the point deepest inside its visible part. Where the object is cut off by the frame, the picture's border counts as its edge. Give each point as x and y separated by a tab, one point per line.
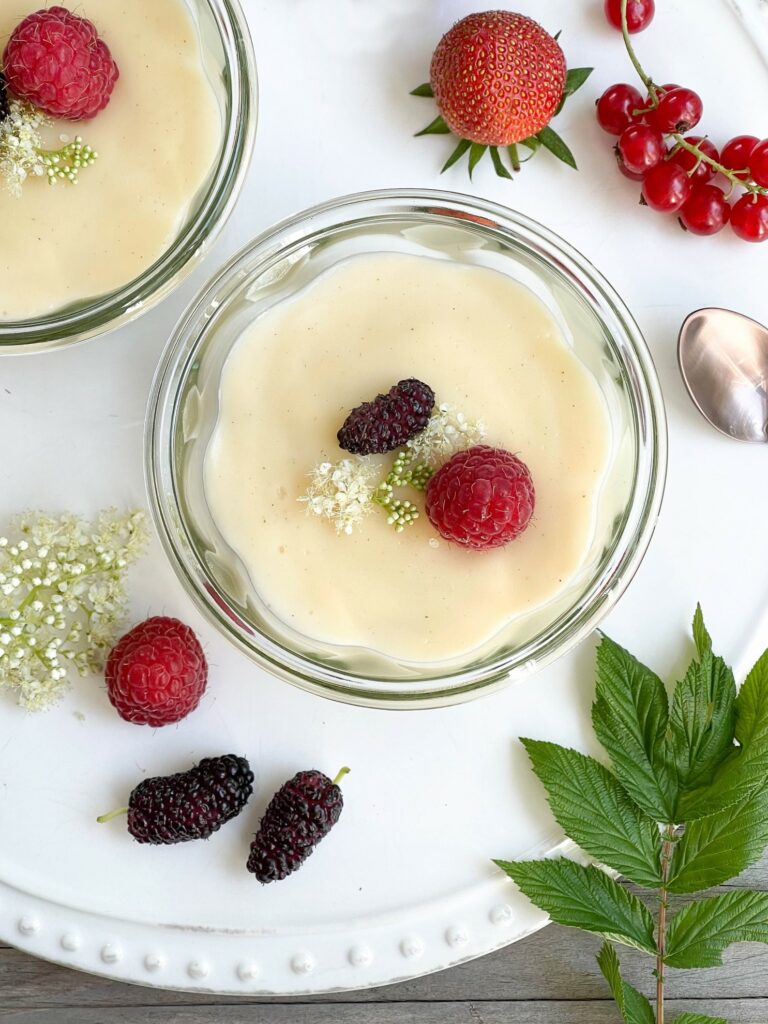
549	138
633	1005
700	932
698	1018
721	846
584	897
499	167
476	153
436	127
457	154
593	810
630	718
423	90
701	637
702	720
745	769
575	78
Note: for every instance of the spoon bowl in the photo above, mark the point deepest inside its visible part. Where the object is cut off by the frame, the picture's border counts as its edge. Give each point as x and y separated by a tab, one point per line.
723	359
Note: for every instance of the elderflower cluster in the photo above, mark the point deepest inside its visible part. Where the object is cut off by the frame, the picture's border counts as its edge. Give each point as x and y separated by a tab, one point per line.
341	491
21	153
448	432
62	596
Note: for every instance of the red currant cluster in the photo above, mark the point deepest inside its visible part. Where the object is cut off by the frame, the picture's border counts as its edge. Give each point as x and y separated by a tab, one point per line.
677	169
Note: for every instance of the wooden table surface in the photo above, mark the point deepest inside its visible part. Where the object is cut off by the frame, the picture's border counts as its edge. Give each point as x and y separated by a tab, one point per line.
550	978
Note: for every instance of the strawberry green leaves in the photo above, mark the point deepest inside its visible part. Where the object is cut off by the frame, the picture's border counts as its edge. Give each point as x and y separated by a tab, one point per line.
584	897
547	138
633	1006
682	807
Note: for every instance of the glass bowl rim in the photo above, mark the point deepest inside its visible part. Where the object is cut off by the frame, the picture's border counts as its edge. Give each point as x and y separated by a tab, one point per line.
107	312
580	619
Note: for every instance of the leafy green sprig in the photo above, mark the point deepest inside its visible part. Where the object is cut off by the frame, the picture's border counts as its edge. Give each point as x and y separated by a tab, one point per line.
547	137
683	808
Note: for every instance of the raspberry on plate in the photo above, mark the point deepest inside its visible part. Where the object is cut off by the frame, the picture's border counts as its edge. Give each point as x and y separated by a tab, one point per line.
157	673
189	805
300	814
56	61
389	420
481	498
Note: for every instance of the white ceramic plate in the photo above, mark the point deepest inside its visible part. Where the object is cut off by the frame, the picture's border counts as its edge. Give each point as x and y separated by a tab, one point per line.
404	884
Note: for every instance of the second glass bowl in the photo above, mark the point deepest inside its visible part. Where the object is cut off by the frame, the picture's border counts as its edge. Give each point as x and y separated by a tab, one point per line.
185	404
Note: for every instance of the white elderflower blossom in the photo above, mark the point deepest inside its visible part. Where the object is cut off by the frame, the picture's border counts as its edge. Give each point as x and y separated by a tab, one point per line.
62	596
341	491
21	145
448	432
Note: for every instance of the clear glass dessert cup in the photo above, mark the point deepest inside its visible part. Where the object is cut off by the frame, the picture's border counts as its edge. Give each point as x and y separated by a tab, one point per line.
185	403
227	53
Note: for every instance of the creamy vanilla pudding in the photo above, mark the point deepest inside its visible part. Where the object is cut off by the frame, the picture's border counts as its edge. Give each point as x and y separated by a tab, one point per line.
486	345
157	141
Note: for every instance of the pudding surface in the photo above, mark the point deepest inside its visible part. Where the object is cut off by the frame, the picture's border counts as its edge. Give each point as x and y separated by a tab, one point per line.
486	345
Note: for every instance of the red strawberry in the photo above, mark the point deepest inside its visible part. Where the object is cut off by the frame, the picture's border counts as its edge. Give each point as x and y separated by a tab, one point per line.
56	61
157	673
499	78
481	498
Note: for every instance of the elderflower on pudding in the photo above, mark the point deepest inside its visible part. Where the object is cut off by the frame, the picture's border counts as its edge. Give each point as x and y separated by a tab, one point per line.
62	596
22	153
341	491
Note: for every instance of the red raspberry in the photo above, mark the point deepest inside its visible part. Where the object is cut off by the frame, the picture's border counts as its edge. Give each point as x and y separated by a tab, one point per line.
481	498
157	673
56	61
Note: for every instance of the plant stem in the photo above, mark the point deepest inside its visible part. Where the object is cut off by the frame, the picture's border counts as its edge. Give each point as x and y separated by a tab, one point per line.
680	141
103	818
666	857
341	774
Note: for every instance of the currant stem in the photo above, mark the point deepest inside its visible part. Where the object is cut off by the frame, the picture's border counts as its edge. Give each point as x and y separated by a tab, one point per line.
112	814
681	142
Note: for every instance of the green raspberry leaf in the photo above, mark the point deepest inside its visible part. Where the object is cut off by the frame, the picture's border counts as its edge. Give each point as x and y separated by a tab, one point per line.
549	138
700	932
746	769
702	720
719	847
584	897
422	90
633	1006
701	637
630	717
698	1018
593	810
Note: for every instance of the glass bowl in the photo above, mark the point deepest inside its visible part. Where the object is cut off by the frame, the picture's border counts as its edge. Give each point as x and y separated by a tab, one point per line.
184	407
227	52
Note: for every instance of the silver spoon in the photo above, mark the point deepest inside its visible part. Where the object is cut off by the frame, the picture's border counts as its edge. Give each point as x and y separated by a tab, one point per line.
723	358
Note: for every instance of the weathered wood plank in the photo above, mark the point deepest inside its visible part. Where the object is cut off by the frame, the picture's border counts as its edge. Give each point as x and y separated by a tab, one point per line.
560	1012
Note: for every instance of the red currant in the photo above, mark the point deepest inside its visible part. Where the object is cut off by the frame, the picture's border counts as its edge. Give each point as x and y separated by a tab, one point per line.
639	13
758	164
666	187
736	153
679	110
707	211
641	148
687	160
632	175
616	107
749	218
